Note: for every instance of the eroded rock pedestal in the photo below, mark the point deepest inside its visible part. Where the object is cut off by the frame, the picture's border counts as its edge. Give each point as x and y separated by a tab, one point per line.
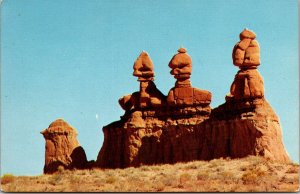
248	127
183	94
182	126
246	120
62	148
151	133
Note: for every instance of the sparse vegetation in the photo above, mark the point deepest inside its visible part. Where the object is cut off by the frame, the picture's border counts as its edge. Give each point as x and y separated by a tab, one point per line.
219	175
7	178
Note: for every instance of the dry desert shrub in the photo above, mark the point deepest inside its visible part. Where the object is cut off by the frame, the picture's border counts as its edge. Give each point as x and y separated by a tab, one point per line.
249	177
7	178
191	166
184	178
219	175
55	179
227	175
253	176
158	186
145	168
110	179
203	175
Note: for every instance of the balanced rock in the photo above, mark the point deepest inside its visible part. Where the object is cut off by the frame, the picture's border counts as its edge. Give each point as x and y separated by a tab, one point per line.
249	122
149	95
62	147
143	67
186	129
181	65
155	132
246	53
248	82
183	94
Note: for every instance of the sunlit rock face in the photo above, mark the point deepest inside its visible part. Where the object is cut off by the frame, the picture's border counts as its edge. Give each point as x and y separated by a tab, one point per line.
183	94
248	83
62	147
182	127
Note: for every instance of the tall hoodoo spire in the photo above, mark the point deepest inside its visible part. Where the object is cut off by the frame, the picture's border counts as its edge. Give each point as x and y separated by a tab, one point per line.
248	83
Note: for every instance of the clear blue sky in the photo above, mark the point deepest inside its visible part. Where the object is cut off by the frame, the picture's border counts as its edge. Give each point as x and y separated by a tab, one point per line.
73	59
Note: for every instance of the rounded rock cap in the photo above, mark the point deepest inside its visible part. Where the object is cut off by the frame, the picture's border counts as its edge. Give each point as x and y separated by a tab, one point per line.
246	33
182	50
181	59
59	123
59	126
143	66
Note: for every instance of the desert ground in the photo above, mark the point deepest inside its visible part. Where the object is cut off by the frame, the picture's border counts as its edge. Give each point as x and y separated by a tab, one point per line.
251	174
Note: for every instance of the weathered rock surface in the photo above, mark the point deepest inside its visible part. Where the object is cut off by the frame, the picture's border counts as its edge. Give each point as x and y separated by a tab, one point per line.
246	53
233	130
183	94
181	126
248	83
185	128
62	147
143	67
148	96
250	127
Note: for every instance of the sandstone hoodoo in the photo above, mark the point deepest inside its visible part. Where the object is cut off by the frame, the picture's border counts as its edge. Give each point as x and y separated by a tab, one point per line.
247	119
248	83
149	95
181	126
183	94
155	132
62	147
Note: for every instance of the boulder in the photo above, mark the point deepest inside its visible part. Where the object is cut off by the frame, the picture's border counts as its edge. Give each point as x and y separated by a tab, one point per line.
143	67
181	65
248	82
246	53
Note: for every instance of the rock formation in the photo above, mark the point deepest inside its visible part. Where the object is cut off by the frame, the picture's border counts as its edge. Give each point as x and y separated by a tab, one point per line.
248	83
159	134
62	147
246	115
183	94
185	128
149	95
181	126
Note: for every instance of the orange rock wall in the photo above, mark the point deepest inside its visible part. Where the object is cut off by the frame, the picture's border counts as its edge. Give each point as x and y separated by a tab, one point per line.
230	132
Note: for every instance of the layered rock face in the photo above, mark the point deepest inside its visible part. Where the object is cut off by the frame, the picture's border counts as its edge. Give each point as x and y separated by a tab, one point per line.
248	127
251	121
62	147
182	127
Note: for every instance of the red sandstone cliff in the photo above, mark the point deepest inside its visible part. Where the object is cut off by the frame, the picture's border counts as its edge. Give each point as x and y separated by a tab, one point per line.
184	128
181	126
229	132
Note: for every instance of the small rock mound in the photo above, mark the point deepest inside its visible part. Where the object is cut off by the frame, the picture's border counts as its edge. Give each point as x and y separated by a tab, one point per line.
62	147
